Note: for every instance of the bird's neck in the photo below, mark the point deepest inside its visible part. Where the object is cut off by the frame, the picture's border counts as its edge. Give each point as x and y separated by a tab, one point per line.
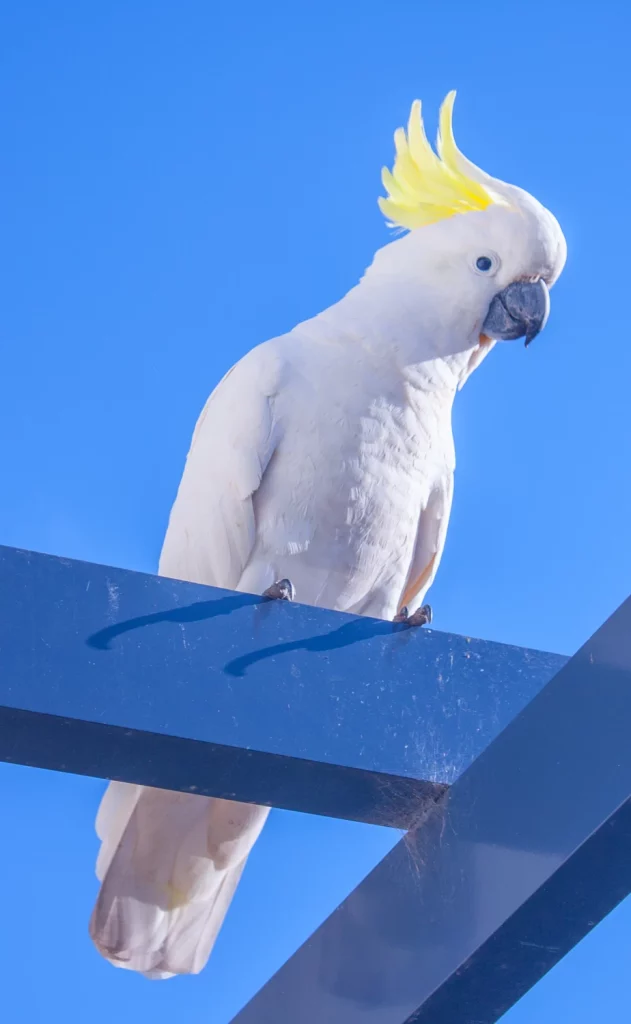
397	322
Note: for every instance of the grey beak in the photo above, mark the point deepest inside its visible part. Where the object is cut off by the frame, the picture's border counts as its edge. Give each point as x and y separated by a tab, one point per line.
520	311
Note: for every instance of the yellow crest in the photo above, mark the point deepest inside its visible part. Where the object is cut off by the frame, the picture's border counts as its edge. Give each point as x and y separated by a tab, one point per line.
424	187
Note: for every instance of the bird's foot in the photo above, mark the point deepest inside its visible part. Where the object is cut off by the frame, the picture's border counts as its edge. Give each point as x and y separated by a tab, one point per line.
282	590
421	617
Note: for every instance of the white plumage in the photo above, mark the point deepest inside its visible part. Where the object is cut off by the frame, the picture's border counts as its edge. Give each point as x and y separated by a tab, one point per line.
325	456
169	865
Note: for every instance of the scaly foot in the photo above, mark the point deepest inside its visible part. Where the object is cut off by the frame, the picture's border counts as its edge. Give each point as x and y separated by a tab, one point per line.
282	590
421	617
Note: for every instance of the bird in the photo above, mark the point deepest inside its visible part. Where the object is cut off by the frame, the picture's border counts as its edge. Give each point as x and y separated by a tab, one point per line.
321	468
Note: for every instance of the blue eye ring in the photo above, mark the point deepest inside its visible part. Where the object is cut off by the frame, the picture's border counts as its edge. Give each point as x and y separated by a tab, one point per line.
484	264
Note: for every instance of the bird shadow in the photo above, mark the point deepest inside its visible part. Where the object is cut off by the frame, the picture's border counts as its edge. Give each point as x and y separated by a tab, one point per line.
350	633
197	612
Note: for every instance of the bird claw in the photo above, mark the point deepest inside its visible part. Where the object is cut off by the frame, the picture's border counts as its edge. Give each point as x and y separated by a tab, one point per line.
282	590
421	617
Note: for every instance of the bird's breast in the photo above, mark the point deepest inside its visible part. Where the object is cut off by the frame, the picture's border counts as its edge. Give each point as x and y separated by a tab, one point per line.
340	506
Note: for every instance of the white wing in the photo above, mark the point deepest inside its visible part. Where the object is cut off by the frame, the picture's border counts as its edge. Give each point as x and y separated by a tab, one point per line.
430	541
170	862
211	529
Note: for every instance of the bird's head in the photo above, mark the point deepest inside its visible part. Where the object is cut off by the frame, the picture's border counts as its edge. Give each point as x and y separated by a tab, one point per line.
481	253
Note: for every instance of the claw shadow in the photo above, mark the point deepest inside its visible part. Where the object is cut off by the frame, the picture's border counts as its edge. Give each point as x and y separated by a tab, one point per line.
345	636
197	612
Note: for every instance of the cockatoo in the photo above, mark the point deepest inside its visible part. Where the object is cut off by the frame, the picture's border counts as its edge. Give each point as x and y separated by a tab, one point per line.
323	464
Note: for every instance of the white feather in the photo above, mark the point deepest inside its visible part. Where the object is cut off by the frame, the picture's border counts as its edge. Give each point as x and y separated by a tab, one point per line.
115	810
171	879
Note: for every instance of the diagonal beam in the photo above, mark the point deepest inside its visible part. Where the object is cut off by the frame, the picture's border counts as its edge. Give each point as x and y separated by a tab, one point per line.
521	857
123	675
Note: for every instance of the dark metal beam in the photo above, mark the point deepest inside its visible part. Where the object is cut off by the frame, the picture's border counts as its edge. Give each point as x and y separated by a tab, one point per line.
123	675
521	857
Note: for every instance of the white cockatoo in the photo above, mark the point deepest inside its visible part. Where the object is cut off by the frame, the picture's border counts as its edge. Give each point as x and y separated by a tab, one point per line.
323	465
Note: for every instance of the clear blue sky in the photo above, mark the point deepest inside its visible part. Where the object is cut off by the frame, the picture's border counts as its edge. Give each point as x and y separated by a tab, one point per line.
182	181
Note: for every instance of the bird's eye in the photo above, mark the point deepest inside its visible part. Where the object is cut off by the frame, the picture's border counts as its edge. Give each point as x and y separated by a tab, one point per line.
484	264
487	264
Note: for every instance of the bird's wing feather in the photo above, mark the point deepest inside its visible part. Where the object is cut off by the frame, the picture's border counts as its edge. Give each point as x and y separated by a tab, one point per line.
430	541
169	862
114	812
211	530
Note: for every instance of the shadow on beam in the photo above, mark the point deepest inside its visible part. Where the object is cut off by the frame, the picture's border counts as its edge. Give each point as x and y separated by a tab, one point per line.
123	675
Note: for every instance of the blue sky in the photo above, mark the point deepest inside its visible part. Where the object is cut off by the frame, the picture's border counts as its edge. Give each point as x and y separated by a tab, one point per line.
182	181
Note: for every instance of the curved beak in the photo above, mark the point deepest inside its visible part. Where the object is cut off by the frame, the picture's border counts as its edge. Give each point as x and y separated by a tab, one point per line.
520	311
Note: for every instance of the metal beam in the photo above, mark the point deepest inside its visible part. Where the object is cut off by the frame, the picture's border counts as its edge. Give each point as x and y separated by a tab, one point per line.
123	675
522	856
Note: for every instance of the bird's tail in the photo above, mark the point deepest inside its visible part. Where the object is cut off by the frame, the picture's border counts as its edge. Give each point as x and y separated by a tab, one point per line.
169	864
